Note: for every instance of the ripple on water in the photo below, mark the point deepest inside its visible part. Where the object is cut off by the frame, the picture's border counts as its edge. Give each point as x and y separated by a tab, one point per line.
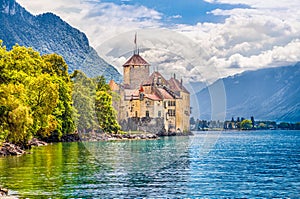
260	164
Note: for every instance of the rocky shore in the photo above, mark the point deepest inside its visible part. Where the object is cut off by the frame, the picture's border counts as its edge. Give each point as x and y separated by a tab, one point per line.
9	149
109	137
3	192
163	134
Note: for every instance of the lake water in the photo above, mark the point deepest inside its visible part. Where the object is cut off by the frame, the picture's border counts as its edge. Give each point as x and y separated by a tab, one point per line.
252	164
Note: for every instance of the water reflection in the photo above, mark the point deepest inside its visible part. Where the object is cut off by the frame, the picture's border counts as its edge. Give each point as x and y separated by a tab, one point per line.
260	164
106	169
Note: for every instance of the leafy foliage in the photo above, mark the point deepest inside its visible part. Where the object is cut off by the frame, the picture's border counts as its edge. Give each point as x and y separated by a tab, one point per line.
105	113
36	98
93	101
15	117
35	95
84	102
246	124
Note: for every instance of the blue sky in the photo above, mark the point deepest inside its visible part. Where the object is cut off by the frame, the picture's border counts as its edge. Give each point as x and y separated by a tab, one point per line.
182	11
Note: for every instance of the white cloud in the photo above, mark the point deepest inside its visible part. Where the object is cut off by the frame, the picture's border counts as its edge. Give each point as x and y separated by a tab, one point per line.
176	17
267	34
268	4
249	39
100	21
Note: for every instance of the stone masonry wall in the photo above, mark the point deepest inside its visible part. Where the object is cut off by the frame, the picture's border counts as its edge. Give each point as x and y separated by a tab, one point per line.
138	74
151	125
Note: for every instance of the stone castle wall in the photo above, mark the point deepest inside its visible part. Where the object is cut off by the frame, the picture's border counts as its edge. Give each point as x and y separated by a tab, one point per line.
150	125
138	75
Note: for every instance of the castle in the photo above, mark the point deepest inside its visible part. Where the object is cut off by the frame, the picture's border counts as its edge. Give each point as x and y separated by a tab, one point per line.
150	102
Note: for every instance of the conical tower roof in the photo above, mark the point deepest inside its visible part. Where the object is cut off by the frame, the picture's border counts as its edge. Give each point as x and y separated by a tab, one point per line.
136	60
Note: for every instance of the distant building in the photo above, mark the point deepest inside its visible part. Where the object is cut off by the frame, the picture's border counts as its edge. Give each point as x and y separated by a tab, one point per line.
150	102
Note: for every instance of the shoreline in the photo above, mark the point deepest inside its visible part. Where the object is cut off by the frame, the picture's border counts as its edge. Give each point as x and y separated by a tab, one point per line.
9	149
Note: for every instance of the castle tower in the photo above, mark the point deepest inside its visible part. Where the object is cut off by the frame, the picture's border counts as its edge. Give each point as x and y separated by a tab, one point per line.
135	71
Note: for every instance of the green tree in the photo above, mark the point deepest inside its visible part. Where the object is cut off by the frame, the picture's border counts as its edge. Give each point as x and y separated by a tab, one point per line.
246	124
284	125
55	64
262	125
15	117
43	103
43	96
106	114
101	84
19	63
84	101
64	112
192	120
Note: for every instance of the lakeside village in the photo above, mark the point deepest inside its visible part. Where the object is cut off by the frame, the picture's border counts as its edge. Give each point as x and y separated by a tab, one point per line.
241	124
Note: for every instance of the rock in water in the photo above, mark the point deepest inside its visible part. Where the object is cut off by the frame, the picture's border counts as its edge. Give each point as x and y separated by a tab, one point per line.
36	142
3	191
10	149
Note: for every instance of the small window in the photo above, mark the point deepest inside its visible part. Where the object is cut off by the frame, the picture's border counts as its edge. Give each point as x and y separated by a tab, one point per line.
141	96
147	114
159	114
159	80
171	112
171	103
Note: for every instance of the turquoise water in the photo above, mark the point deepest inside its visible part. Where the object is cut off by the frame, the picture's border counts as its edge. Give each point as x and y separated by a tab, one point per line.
257	164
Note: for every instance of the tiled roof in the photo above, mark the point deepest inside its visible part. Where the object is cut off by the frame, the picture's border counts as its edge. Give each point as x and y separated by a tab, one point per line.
153	97
131	94
158	93
176	85
154	76
136	60
165	94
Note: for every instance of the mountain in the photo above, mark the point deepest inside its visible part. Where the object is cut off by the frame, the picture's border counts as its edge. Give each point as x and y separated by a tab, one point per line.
48	33
266	94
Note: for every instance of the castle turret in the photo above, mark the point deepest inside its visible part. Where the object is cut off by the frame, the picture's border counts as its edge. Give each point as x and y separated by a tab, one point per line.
135	71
